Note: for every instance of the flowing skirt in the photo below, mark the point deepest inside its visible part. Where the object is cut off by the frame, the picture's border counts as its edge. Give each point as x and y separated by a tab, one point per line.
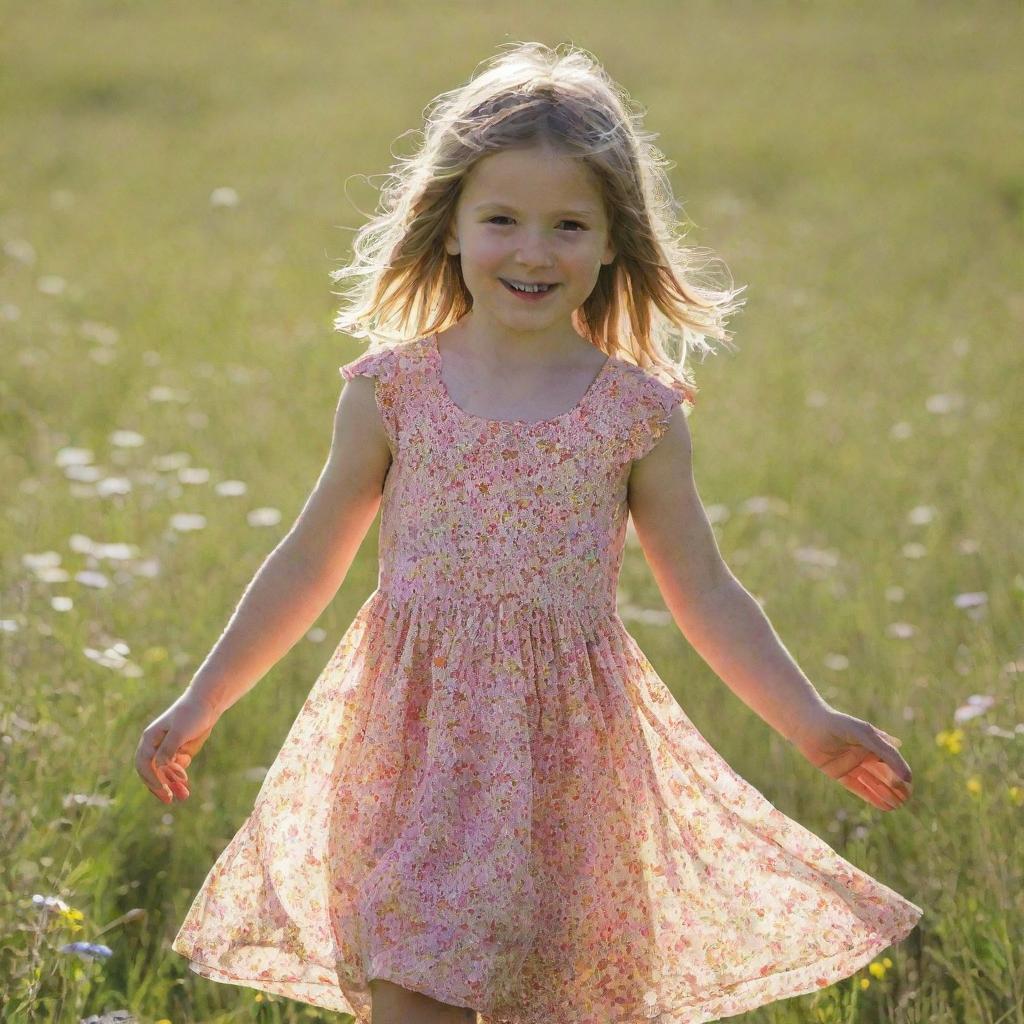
512	813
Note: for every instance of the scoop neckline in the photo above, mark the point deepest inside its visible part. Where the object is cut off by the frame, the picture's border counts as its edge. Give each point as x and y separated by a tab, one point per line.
437	364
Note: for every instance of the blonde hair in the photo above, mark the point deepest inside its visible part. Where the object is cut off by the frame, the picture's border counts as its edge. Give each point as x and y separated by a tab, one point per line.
645	306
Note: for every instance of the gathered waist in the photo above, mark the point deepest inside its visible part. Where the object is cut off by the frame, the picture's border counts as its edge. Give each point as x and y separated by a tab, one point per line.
503	610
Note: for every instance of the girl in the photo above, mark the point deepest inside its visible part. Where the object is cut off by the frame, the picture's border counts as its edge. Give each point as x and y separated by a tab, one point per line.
490	802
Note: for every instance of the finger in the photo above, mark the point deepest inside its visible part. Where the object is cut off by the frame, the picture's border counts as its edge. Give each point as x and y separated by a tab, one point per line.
166	751
145	767
162	778
881	745
167	768
867	794
889	797
176	779
853	783
898	792
169	781
883	797
888	776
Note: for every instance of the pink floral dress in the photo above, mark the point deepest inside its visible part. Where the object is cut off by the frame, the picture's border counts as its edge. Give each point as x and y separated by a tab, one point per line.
489	795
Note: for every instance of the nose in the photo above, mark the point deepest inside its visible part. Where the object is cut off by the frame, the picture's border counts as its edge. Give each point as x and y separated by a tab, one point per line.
533	251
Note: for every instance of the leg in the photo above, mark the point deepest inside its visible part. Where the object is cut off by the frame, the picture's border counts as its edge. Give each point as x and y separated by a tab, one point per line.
392	1004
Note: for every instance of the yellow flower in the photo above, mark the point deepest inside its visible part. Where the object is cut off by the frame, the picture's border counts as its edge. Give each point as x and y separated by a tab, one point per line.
864	982
71	917
887	962
877	969
1016	794
952	740
974	785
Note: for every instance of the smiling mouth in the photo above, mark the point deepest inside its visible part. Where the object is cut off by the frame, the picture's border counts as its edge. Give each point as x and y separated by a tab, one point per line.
537	294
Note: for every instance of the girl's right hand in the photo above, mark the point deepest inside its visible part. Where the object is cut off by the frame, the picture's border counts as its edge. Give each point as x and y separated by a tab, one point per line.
168	745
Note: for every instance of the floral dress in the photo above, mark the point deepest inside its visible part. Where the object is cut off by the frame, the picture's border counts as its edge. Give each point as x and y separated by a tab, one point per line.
489	795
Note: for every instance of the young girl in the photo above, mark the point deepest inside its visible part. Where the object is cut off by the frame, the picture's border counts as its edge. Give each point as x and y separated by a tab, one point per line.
490	802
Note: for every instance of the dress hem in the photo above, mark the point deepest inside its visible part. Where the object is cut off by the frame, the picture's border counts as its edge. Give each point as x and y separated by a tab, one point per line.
818	974
811	977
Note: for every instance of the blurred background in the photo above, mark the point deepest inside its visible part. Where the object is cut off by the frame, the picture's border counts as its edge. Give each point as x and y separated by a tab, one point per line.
178	180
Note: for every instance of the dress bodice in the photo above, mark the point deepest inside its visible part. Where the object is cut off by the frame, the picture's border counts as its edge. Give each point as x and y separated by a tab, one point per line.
508	515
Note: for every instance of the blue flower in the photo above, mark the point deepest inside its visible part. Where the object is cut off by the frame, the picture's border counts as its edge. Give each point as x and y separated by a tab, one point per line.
87	949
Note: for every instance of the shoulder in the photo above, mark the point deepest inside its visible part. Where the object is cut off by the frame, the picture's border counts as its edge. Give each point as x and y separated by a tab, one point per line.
387	362
652	391
644	401
392	368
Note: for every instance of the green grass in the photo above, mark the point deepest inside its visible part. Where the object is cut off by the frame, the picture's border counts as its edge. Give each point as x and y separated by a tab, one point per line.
861	168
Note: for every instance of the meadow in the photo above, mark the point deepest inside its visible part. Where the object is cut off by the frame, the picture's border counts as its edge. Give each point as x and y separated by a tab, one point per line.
176	184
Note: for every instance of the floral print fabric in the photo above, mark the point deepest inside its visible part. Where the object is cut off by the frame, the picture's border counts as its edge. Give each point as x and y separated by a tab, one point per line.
489	795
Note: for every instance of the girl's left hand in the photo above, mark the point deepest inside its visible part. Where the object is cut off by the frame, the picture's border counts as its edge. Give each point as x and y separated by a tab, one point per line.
858	756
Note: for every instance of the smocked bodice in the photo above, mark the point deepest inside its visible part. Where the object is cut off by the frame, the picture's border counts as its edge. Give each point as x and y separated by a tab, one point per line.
508	515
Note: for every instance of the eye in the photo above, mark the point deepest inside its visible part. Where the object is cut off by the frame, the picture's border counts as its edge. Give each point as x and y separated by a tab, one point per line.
501	216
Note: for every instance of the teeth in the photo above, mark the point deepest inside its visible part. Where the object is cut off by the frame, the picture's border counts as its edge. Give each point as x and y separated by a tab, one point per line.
529	287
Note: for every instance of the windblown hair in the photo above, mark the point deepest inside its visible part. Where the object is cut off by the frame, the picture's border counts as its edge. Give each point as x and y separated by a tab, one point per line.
646	306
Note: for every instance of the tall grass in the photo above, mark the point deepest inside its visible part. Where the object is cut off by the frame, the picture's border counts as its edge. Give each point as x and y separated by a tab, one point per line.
170	375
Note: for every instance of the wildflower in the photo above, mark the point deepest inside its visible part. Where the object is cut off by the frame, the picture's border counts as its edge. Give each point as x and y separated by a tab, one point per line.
951	740
865	982
1016	794
224	195
95	950
263	517
71	918
52	903
976	704
85	800
974	785
877	969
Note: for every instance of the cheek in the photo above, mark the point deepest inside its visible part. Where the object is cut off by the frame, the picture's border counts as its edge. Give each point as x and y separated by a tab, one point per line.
585	266
485	254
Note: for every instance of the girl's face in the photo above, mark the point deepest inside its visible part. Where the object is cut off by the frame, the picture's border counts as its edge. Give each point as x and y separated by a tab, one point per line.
529	215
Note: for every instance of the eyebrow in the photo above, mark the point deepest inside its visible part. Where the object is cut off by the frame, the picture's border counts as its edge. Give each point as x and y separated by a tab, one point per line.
505	206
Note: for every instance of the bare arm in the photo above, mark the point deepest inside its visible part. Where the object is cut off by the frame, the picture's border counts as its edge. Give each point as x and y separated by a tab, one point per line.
301	575
715	612
732	634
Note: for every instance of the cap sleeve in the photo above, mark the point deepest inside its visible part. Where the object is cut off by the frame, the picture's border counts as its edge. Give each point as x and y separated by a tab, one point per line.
653	403
382	366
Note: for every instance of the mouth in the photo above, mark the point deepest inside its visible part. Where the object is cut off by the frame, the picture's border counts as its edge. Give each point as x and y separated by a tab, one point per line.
529	296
